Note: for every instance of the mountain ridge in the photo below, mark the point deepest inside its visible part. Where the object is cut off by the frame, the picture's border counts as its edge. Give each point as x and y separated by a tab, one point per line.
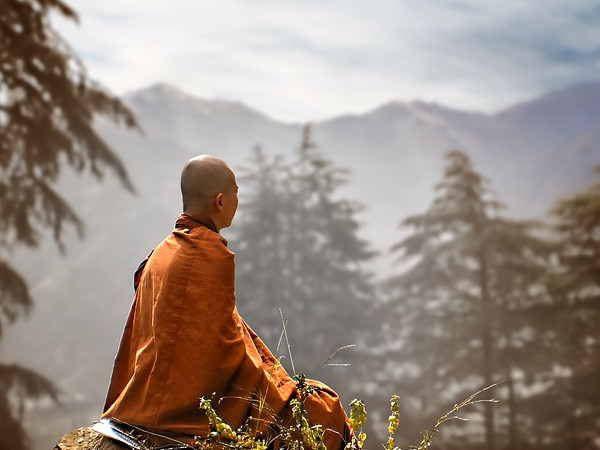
579	90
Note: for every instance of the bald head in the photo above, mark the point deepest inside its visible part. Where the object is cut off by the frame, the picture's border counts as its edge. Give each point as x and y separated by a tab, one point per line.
202	179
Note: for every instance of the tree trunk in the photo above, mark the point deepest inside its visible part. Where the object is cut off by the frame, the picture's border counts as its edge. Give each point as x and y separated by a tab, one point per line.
486	338
512	412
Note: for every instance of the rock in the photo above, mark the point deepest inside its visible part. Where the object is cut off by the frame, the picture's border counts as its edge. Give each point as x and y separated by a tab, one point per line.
87	439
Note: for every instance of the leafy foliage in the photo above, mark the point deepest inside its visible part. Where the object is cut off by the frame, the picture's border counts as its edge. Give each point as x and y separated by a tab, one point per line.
302	434
16	385
47	109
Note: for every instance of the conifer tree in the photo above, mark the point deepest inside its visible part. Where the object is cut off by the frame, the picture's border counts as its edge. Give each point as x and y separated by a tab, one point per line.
299	250
573	406
462	303
262	273
47	107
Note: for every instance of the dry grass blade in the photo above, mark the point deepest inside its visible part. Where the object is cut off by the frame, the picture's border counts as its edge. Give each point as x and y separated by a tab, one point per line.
284	324
451	415
332	355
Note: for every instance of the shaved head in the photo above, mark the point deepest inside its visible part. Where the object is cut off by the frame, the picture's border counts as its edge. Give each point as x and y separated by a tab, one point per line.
202	178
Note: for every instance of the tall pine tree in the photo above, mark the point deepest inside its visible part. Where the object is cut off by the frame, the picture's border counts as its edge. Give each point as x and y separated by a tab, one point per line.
47	108
262	275
461	307
573	410
298	249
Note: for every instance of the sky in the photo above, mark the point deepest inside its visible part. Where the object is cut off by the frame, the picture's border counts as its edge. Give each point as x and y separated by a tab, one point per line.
301	60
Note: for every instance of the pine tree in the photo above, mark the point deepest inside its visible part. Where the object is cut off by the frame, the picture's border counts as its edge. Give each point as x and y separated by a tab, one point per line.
573	406
462	305
261	273
47	107
298	249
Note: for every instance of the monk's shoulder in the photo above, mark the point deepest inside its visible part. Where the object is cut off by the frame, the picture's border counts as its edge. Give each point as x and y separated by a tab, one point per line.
206	237
204	240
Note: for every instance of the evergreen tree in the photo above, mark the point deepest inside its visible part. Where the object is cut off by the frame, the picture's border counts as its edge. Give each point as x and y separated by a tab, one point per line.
462	306
262	275
298	249
572	404
47	107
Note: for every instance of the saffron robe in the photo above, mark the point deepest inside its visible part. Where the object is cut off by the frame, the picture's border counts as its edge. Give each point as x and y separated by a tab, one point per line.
184	339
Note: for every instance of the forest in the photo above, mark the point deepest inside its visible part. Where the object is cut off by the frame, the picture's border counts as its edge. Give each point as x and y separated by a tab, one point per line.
477	298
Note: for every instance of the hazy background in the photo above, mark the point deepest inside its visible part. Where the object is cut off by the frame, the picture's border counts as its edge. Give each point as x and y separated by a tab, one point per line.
389	87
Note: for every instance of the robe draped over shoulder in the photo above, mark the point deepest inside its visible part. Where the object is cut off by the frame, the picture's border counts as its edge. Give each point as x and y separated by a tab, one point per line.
184	339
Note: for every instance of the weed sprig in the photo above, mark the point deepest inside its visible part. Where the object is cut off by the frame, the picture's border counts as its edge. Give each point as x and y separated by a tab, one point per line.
300	434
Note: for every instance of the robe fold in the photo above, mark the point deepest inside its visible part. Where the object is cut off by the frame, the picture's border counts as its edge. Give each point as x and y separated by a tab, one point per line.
184	339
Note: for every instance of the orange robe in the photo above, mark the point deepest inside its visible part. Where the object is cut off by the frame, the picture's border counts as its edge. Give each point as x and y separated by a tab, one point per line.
184	339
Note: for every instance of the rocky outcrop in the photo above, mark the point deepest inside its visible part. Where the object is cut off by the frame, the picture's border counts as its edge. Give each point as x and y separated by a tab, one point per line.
87	439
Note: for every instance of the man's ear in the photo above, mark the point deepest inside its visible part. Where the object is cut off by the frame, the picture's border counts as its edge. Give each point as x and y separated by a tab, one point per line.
219	200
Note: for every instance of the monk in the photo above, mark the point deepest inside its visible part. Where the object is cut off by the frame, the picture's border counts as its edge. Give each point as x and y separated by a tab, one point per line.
184	338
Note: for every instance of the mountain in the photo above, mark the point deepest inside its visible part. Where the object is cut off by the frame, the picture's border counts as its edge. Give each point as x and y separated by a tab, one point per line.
533	153
211	126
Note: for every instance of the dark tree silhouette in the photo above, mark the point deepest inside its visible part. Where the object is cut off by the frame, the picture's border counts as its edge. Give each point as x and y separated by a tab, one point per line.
47	108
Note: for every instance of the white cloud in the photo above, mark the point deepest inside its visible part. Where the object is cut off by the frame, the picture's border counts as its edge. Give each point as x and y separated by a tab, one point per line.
300	60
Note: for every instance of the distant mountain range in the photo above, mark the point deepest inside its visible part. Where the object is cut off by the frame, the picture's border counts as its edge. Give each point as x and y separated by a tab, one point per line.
533	153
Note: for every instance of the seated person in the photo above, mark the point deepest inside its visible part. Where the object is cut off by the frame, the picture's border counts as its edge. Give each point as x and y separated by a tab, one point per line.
184	338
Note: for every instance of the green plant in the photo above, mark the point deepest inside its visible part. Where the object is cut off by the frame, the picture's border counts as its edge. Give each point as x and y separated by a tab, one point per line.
300	434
